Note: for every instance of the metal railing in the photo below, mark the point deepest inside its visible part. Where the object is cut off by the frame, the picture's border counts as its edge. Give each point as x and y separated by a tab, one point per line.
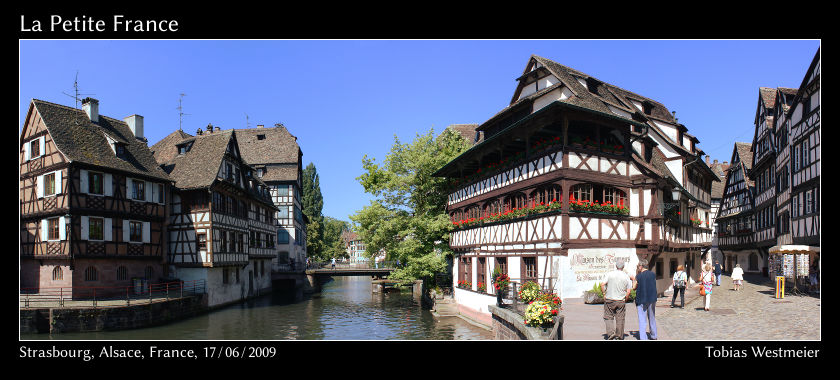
108	296
356	265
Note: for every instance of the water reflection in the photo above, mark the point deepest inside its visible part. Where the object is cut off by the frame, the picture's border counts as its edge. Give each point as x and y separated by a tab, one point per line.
345	310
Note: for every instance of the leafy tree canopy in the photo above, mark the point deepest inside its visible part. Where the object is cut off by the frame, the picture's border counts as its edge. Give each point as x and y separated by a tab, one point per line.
408	217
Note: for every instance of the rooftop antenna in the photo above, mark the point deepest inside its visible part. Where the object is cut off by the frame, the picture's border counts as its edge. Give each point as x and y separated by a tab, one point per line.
181	113
76	90
247	121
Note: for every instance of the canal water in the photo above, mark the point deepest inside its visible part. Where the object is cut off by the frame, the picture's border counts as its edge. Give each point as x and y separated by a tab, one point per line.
344	310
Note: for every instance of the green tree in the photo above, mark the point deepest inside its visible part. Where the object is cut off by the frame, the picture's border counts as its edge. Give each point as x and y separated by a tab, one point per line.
312	203
333	245
408	216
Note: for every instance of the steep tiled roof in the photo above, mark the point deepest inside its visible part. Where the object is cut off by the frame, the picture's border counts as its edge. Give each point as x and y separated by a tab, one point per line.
277	145
744	153
285	172
768	96
199	167
605	94
165	149
82	140
717	187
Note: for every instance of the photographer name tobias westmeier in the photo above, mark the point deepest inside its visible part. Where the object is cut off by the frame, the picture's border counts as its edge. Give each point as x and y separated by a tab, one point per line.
761	352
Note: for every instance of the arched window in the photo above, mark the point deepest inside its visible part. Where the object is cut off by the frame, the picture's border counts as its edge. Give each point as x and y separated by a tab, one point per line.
547	193
517	200
57	274
614	196
122	273
582	192
492	207
90	274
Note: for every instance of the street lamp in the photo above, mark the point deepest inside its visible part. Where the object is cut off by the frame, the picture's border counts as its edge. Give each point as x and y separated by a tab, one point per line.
675	194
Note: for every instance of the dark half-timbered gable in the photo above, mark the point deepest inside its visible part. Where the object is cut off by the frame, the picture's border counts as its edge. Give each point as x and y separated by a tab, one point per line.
572	175
221	229
277	159
736	220
92	199
798	172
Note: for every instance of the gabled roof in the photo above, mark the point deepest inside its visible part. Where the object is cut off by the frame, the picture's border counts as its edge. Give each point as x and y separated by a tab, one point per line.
199	167
83	141
277	146
165	149
718	186
768	96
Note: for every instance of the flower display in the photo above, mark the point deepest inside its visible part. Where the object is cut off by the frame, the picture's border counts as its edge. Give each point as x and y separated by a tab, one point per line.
464	284
529	292
539	313
500	281
482	287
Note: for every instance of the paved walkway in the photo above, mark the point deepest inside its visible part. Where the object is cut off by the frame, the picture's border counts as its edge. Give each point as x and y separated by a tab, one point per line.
748	314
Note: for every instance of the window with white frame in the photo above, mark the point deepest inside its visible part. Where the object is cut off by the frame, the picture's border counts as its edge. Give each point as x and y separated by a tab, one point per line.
49	184
53	229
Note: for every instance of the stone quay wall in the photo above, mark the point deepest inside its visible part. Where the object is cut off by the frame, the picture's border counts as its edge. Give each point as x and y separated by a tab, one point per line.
58	320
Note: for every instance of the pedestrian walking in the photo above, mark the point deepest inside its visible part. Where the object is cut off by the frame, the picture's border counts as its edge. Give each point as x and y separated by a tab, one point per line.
707	281
718	271
616	287
646	300
680	280
737	277
333	263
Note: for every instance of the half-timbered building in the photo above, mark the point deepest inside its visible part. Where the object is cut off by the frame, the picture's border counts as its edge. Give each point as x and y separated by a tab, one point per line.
772	104
277	158
92	200
736	219
717	196
221	227
797	134
572	175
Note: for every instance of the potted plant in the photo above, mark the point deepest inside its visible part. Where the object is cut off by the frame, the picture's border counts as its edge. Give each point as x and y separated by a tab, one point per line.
540	314
482	287
501	281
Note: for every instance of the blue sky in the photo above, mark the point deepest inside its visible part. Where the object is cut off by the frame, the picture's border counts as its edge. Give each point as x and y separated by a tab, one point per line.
346	99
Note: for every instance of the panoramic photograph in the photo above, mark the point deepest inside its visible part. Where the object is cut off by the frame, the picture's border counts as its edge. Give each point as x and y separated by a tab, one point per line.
407	190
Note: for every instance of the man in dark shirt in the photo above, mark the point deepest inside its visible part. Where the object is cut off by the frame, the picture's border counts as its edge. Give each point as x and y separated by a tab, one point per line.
646	300
718	271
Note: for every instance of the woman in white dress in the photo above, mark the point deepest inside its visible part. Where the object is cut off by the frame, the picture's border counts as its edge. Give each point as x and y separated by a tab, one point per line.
737	277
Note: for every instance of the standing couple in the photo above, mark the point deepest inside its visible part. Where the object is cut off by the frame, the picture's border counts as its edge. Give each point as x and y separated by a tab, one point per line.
617	287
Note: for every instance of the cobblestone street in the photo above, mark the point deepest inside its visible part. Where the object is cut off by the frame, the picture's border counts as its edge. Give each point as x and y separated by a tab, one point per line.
751	313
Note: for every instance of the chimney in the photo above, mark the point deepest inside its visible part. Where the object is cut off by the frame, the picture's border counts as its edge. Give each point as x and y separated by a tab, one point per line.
135	123
209	128
218	128
91	107
726	162
199	132
707	160
715	162
260	126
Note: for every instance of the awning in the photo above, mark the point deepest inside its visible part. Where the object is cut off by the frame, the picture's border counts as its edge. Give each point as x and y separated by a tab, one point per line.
786	248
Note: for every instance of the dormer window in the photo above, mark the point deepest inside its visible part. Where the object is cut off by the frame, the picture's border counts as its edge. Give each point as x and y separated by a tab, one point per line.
647	107
260	137
184	148
592	84
260	172
119	149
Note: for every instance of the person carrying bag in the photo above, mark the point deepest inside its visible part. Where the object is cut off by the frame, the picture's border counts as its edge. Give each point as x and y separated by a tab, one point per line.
680	280
707	280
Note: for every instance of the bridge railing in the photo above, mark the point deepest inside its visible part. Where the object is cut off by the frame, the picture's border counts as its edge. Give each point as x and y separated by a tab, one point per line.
108	296
344	265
